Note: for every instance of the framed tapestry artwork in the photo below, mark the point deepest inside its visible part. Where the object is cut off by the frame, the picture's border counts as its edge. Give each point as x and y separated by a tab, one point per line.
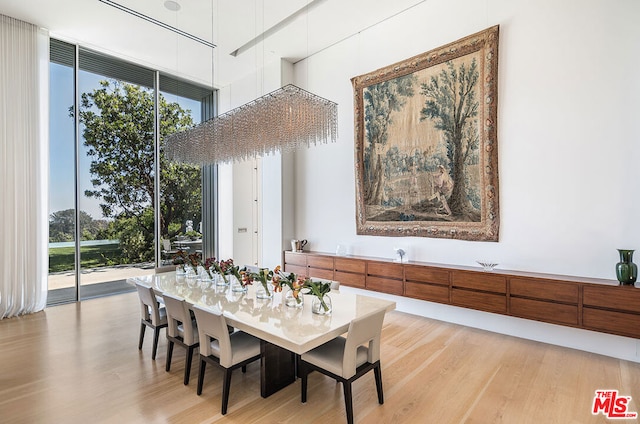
426	143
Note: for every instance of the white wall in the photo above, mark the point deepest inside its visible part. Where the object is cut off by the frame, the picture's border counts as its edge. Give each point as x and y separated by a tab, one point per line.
253	194
568	144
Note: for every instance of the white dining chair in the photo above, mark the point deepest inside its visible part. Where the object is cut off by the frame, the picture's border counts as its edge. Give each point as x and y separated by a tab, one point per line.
347	359
182	330
335	285
217	346
152	315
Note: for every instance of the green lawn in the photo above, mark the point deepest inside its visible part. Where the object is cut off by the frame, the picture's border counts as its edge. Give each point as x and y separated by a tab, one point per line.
62	258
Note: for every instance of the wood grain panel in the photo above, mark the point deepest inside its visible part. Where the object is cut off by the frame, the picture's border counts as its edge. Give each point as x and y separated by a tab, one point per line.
626	298
480	281
431	292
327	274
350	279
385	285
426	274
385	269
544	289
350	265
479	300
544	297
325	262
544	311
295	258
296	269
611	322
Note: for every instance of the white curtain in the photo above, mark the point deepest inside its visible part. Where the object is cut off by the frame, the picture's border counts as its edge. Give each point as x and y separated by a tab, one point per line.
24	167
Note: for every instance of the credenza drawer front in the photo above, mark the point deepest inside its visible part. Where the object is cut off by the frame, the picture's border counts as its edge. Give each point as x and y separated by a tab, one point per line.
295	258
612	322
559	292
350	279
385	269
325	262
477	300
626	298
545	311
480	281
384	285
296	269
350	265
432	292
426	275
327	274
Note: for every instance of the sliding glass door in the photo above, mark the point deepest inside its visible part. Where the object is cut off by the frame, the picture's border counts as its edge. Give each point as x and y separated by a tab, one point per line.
103	168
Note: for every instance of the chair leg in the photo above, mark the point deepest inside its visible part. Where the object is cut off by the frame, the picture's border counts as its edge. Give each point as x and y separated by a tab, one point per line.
156	336
187	365
225	390
142	328
203	365
303	386
244	368
169	354
348	401
378	373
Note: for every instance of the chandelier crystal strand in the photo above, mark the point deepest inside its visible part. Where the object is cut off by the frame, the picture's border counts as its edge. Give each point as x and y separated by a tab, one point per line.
280	121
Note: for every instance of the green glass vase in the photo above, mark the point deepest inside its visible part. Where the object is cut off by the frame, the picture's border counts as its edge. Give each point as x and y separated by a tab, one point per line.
626	270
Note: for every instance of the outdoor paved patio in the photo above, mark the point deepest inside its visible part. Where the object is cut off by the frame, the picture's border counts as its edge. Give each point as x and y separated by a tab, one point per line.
99	275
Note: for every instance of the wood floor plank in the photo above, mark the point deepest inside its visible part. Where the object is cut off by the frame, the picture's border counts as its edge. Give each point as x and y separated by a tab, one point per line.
79	363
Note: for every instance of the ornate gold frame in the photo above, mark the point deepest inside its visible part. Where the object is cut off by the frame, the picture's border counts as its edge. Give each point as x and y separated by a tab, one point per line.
426	148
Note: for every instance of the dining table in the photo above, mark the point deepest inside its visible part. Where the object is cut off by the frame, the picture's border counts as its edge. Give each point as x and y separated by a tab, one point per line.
285	332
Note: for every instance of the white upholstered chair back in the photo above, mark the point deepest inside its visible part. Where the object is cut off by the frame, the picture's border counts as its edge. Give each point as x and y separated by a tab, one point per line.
214	335
179	319
365	330
149	306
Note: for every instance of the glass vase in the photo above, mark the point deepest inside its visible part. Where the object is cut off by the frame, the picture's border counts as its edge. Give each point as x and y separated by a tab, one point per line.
321	305
206	282
192	279
263	292
220	280
236	285
293	302
626	270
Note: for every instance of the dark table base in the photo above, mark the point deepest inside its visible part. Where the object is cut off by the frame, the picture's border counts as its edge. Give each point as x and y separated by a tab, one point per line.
277	368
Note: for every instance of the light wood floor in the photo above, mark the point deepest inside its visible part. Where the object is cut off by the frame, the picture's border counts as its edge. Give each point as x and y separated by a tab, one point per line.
79	363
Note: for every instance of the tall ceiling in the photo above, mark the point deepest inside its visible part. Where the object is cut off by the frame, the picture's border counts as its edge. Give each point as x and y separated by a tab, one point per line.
260	30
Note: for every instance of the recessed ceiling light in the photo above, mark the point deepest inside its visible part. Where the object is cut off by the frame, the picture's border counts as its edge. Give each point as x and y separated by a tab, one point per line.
173	6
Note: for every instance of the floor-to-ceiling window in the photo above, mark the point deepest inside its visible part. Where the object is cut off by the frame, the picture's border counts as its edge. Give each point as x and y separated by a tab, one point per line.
104	172
181	105
62	209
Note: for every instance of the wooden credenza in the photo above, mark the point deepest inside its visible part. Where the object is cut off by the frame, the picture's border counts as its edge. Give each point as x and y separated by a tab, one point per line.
589	303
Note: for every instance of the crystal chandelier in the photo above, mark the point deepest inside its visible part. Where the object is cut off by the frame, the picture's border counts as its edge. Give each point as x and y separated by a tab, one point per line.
280	121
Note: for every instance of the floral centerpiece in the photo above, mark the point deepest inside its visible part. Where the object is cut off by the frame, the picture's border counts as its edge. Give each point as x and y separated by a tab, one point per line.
264	275
322	303
295	283
244	278
181	258
223	268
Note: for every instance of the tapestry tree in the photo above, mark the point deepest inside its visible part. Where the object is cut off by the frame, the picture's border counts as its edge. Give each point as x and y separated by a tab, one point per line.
453	106
379	101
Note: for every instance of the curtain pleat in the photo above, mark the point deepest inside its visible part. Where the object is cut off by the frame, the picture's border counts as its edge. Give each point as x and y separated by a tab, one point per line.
23	167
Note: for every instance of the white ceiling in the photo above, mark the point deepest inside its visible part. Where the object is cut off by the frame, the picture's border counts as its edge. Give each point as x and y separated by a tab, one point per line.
290	29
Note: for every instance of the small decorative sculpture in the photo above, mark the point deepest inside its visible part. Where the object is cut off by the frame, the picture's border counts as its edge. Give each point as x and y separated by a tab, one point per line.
401	253
188	226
